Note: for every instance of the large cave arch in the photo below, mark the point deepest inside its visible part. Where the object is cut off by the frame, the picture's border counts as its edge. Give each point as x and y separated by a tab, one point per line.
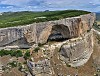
53	32
59	32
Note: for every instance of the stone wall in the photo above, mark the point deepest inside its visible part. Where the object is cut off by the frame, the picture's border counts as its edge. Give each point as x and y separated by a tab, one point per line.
40	32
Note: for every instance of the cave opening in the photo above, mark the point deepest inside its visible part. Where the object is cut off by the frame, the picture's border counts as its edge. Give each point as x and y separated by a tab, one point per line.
59	33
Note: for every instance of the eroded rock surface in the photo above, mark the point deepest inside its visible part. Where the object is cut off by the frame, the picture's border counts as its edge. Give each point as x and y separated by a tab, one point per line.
60	55
40	32
96	48
78	53
75	47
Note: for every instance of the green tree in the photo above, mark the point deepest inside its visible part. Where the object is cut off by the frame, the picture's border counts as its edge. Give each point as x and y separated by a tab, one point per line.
19	53
27	55
36	49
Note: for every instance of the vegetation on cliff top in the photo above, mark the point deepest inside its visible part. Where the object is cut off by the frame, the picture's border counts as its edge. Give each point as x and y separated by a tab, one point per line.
10	19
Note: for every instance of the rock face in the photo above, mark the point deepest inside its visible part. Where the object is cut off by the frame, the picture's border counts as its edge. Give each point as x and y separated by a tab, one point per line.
44	31
96	48
78	52
41	68
51	59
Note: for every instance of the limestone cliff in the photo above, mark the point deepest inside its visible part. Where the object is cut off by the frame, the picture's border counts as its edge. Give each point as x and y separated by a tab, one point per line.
40	32
75	43
78	52
96	49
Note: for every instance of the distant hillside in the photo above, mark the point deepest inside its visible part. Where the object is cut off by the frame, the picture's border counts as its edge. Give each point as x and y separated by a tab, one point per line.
98	16
9	19
96	25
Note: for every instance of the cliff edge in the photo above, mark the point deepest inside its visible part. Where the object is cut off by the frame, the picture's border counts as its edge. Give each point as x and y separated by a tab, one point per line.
42	32
58	47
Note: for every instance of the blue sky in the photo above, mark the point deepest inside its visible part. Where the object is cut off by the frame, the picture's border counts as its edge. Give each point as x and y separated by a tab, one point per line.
41	5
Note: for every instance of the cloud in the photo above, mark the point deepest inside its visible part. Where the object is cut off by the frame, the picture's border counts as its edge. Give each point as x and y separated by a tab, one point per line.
15	2
36	5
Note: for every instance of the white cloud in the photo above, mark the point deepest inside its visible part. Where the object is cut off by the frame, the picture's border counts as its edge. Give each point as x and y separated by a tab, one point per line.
53	4
9	7
15	2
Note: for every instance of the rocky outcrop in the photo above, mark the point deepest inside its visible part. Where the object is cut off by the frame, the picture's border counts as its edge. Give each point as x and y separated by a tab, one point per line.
40	68
96	48
75	52
78	52
40	32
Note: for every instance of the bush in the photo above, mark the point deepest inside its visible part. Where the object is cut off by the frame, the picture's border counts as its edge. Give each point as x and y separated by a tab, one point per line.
27	55
4	52
13	64
37	49
39	44
17	53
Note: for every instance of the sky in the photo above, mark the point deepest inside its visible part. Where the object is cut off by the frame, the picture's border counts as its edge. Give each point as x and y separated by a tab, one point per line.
41	5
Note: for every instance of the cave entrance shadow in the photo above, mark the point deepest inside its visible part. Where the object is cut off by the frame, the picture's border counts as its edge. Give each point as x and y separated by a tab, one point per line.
59	33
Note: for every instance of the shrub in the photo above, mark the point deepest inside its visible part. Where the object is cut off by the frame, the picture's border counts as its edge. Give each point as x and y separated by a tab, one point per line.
17	53
36	49
27	55
39	44
13	64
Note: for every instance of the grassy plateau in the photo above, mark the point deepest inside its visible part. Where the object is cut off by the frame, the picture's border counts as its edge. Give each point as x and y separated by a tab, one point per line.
10	19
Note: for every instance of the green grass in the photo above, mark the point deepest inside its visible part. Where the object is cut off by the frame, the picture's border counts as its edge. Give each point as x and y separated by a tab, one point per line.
11	19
